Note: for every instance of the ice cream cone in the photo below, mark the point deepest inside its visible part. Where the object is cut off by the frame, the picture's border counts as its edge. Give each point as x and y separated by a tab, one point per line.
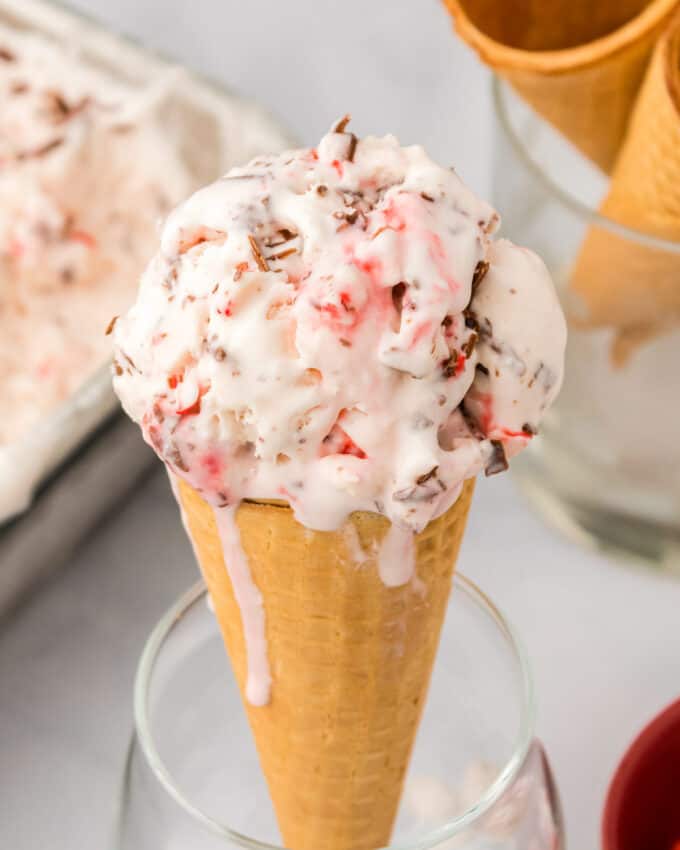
624	283
350	659
579	64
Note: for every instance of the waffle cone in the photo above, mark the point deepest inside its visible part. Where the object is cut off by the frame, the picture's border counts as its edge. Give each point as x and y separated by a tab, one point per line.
350	661
579	64
622	282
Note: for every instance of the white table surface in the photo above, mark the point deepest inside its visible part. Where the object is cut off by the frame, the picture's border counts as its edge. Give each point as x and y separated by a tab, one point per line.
604	640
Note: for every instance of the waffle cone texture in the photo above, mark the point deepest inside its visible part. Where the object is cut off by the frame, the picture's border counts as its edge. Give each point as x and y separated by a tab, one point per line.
622	282
578	63
350	660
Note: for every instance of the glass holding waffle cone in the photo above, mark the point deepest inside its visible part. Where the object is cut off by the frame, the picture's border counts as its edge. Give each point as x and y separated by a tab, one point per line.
607	467
477	780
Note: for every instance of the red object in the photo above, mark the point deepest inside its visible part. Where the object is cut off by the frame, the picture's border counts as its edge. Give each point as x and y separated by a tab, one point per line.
642	810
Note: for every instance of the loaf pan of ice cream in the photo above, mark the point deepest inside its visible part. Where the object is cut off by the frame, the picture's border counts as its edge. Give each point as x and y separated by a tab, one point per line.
99	138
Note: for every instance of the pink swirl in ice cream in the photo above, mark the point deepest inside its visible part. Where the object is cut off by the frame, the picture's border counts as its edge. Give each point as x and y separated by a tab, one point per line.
336	328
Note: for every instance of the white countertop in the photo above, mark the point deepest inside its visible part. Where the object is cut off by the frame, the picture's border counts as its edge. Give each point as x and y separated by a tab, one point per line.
603	639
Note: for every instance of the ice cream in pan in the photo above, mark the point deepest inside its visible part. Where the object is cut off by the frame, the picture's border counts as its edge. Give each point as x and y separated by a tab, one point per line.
86	169
327	348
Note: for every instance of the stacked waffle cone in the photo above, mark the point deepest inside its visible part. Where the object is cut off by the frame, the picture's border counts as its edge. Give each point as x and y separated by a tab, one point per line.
578	63
623	281
606	75
350	660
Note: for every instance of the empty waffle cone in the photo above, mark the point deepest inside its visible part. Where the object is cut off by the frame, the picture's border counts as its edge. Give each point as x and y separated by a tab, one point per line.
578	63
350	661
622	282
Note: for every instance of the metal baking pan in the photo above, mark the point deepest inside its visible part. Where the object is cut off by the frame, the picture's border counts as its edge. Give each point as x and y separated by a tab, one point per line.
62	476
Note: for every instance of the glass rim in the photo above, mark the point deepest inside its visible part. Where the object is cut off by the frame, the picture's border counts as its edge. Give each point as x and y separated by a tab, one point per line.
432	838
499	89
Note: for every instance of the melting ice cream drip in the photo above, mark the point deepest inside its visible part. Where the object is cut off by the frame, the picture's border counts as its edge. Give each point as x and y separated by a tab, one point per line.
249	599
397	557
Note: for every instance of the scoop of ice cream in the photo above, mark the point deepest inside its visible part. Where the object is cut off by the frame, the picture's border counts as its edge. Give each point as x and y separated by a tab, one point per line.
334	327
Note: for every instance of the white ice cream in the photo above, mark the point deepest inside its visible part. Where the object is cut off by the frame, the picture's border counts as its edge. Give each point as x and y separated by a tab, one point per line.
335	327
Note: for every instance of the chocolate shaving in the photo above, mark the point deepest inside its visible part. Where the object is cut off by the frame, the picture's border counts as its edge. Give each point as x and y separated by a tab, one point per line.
342	123
480	367
259	259
117	368
427	197
322	190
404	495
481	269
111	325
529	429
498	462
283	254
130	361
43	150
352	147
471	320
447	321
176	459
60	104
449	365
345	342
398	292
423	479
7	55
469	346
219	354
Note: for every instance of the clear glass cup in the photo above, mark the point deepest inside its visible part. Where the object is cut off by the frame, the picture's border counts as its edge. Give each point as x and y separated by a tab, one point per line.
606	469
478	779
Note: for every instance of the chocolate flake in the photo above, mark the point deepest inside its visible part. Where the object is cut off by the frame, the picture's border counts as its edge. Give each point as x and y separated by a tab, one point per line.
469	346
471	320
449	365
352	147
43	150
529	429
60	105
322	190
283	254
345	342
398	292
481	269
130	361
423	479
176	459
342	123
427	197
480	367
259	259
6	55
220	354
498	462
111	325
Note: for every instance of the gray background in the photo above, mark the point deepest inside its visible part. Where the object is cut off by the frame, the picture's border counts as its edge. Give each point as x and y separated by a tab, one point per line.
604	640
